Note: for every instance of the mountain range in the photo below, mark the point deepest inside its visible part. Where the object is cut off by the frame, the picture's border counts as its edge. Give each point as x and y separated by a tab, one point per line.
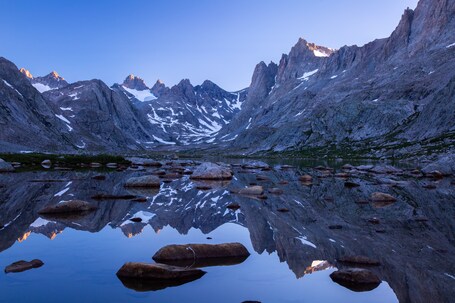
392	97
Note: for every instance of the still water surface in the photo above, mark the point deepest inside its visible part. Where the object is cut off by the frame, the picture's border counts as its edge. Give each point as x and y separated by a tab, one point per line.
292	253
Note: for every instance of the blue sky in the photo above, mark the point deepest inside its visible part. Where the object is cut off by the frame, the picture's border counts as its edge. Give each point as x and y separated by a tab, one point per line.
175	39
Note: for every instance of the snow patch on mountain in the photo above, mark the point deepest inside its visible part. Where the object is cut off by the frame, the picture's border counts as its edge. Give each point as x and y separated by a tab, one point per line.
141	95
320	53
307	75
163	141
41	87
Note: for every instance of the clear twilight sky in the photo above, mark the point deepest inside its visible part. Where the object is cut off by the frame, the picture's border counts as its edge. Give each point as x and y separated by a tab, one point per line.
220	40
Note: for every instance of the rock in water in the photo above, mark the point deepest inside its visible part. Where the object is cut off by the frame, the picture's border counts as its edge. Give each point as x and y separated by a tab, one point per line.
46	163
152	277
306	178
252	190
382	197
72	206
20	266
145	181
356	279
5	166
156	271
351	184
200	251
211	171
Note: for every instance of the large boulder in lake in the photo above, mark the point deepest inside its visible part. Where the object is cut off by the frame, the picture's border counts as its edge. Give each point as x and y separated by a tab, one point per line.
5	166
195	252
144	182
139	270
382	197
356	279
72	206
211	171
151	277
255	190
22	265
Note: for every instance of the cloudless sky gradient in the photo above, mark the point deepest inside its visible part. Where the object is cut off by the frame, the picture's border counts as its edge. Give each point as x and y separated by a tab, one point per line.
220	40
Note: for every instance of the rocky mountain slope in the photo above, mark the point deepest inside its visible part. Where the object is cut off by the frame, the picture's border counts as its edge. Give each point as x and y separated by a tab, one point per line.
383	98
27	121
100	118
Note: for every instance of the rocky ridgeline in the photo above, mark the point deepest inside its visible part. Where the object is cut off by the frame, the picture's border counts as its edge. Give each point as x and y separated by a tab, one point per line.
392	97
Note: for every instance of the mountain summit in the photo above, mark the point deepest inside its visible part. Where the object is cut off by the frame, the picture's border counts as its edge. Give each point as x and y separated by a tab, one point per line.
49	82
26	72
134	82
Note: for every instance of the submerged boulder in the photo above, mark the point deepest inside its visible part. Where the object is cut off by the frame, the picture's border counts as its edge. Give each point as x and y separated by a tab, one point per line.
5	166
144	181
22	265
72	206
200	251
356	279
211	171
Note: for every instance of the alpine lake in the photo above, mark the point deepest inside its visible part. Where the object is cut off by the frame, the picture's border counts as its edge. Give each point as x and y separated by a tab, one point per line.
298	231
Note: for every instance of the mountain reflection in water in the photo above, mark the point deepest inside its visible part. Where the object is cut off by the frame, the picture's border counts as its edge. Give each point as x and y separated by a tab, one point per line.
414	240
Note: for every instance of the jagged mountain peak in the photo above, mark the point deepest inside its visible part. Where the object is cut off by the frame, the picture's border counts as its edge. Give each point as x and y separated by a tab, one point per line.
135	82
159	88
184	82
26	72
304	57
209	85
49	82
304	47
55	75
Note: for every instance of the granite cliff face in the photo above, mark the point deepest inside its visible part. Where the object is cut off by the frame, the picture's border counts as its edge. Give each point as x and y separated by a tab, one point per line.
363	98
26	119
99	118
